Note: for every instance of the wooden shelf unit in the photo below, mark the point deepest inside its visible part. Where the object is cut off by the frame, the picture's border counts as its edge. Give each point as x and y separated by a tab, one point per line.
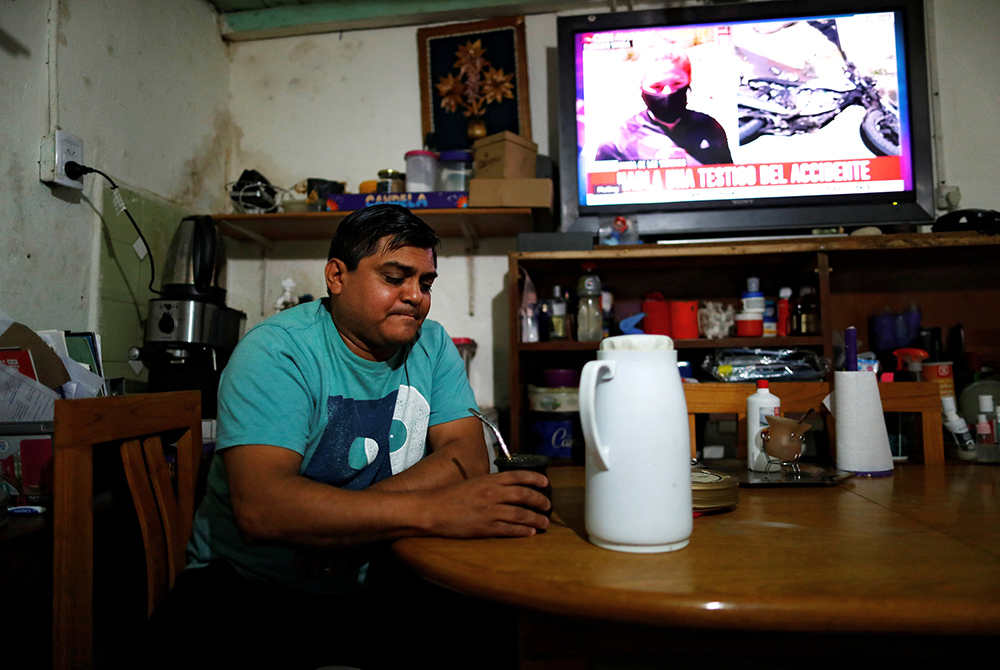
951	277
470	223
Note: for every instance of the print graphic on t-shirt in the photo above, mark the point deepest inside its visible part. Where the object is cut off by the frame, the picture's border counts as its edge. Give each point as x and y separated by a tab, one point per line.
366	441
407	437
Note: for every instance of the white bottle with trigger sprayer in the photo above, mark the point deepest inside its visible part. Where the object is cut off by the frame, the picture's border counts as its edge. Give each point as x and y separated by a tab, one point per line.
760	404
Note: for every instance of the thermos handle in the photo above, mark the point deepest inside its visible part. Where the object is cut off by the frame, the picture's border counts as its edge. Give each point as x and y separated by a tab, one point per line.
203	252
594	373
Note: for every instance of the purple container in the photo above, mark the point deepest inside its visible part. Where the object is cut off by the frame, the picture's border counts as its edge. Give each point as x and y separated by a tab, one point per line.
561	378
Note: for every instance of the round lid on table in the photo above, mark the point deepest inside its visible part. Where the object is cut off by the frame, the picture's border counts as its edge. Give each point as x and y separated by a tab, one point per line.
713	490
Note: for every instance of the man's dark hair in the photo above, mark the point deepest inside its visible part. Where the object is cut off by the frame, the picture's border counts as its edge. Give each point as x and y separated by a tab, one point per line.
358	236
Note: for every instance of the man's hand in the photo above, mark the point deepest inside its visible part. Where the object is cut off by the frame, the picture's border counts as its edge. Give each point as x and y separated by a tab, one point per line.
274	503
489	506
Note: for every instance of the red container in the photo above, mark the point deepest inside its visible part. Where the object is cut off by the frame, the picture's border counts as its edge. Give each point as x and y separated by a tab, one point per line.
750	324
657	311
940	372
684	319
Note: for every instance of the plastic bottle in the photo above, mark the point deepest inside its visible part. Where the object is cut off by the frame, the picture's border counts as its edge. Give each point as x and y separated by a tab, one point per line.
805	312
996	426
759	404
607	310
983	433
986	408
959	429
529	324
784	294
543	315
557	329
913	359
287	298
589	326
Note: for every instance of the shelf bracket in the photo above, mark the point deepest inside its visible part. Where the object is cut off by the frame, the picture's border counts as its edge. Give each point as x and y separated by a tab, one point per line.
471	249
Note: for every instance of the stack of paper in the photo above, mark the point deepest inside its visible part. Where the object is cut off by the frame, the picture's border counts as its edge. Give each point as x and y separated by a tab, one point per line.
38	368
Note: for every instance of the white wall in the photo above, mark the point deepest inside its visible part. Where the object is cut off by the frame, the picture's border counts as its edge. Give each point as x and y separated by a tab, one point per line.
144	85
966	50
344	106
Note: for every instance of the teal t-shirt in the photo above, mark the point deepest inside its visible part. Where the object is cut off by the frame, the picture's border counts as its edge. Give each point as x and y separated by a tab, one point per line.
293	383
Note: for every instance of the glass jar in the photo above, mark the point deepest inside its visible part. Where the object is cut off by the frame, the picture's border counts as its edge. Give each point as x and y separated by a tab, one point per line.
454	170
390	181
589	319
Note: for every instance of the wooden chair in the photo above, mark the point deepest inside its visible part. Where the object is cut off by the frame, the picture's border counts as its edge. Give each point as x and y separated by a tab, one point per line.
133	424
797	397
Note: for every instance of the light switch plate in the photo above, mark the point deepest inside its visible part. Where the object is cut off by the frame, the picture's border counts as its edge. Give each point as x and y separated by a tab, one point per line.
58	148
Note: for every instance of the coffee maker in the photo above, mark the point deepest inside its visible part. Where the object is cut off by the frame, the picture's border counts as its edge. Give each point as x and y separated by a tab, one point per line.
190	333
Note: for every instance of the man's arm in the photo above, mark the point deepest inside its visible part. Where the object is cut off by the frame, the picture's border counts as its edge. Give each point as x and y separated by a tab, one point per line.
274	503
458	452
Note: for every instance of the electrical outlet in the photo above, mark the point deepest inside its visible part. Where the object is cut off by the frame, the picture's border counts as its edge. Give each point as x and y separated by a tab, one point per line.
948	197
58	148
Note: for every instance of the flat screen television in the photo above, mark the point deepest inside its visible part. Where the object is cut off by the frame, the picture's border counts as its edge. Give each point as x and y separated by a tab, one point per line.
748	117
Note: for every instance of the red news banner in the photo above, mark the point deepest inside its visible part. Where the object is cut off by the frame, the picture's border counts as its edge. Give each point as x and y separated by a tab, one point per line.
658	175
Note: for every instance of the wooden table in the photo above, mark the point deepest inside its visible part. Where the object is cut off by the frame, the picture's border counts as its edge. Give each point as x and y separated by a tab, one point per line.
907	565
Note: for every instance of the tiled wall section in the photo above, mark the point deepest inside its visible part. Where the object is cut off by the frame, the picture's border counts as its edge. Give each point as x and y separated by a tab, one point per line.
125	293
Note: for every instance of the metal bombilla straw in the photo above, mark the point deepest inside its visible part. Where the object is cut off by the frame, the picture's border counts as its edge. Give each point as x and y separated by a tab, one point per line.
496	431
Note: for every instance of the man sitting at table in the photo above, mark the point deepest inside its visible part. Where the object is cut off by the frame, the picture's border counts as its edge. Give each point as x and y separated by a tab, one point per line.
343	424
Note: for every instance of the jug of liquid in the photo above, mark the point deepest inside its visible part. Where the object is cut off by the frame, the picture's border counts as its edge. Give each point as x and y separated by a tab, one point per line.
638	454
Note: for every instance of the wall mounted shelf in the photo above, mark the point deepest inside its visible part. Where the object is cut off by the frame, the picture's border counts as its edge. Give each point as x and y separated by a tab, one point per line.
469	223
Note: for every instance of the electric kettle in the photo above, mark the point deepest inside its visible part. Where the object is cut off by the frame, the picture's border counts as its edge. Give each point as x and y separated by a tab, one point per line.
638	454
196	262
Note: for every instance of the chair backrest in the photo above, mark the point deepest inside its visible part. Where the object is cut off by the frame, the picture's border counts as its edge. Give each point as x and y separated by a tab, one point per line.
136	426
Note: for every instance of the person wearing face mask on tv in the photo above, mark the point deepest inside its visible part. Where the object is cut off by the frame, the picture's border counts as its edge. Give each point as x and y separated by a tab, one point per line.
667	129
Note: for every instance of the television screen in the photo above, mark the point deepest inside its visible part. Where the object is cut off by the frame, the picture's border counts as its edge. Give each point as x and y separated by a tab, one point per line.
748	116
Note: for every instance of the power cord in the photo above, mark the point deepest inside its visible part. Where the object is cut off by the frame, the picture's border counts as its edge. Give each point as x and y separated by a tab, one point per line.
75	171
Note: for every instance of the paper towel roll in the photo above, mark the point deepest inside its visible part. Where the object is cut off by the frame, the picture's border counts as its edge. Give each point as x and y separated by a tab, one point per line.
862	439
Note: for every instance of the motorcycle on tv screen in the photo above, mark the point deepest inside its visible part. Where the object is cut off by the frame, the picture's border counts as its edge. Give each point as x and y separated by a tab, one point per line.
765	111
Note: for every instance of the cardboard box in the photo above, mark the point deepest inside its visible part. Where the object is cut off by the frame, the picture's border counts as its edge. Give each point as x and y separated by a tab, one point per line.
26	467
504	156
510	193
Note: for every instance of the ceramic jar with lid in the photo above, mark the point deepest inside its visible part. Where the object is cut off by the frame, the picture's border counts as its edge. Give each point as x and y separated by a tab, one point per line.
390	181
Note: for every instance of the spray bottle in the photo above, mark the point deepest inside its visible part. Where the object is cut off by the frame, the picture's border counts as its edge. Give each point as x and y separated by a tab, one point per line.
913	359
959	429
287	298
983	433
759	404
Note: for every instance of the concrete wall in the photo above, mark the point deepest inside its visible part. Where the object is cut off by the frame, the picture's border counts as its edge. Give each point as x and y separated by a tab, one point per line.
145	86
173	114
344	106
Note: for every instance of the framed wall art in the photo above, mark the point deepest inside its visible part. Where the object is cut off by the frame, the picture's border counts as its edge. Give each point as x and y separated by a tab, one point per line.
473	81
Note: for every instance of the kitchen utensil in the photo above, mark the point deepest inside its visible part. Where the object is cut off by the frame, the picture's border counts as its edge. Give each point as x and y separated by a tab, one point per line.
496	431
805	416
196	262
784	440
533	462
638	459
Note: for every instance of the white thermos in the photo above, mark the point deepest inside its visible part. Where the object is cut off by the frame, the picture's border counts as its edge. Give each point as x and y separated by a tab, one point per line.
638	456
